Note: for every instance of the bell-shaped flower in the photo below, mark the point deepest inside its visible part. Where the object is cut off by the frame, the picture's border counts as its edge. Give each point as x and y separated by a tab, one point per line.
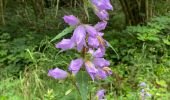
79	36
101	62
100	26
75	65
102	14
91	30
102	4
101	74
57	73
65	44
100	94
91	69
71	20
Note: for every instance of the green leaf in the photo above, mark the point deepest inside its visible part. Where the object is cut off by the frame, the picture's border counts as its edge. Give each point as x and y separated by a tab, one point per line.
86	8
113	50
63	33
166	41
82	84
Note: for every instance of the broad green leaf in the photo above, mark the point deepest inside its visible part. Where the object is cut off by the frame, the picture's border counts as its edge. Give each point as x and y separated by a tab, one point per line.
82	84
63	33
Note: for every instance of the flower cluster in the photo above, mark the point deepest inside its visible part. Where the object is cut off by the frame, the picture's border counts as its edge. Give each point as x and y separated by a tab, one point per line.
101	7
143	93
88	40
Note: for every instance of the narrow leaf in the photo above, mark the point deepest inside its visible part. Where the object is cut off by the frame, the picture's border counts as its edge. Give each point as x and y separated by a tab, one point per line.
63	33
113	49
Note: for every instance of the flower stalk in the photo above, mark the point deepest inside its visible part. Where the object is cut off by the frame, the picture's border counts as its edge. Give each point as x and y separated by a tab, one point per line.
89	41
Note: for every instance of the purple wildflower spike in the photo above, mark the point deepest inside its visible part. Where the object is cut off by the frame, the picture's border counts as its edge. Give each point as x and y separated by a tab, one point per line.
65	44
57	73
75	65
71	20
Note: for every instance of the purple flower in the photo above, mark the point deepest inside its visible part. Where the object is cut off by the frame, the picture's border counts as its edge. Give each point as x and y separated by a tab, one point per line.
79	36
102	4
95	66
65	44
100	94
57	73
100	26
143	84
148	94
101	74
91	30
102	14
93	42
91	69
101	62
98	53
71	20
75	65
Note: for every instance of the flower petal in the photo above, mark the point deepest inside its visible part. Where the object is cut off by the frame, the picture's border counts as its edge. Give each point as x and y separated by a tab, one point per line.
102	4
101	74
65	44
90	69
101	62
100	33
93	42
57	73
98	53
100	25
91	30
102	14
71	20
75	65
79	36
